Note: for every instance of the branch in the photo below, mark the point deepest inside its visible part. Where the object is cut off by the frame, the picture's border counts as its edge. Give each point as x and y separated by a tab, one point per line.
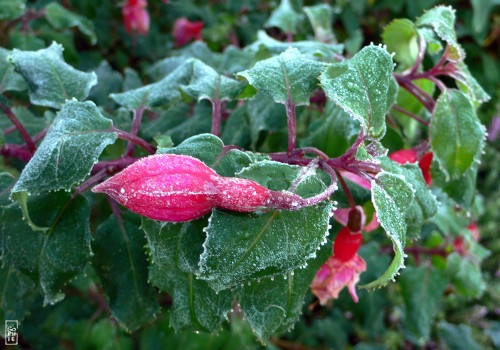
15	151
352	204
136	124
20	127
411	115
135	139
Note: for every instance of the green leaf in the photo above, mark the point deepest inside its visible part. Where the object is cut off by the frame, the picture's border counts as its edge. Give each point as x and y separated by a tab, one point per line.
401	37
457	337
456	135
68	152
175	251
442	20
422	289
273	305
391	196
9	79
51	81
361	87
160	94
320	17
7	182
131	80
284	17
61	18
160	69
290	77
312	49
425	204
205	147
121	263
18	294
465	275
468	83
11	9
462	190
109	81
434	45
238	246
206	83
392	94
51	259
334	133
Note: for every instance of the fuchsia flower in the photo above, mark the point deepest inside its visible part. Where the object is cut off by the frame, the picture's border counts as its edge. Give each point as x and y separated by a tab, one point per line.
135	16
342	269
184	31
179	188
404	156
341	215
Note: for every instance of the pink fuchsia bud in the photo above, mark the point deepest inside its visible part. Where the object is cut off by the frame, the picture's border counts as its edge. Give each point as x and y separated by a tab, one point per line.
346	244
178	188
459	246
334	275
184	31
135	16
164	187
425	165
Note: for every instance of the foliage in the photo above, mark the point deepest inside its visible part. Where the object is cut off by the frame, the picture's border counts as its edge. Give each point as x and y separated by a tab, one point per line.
290	97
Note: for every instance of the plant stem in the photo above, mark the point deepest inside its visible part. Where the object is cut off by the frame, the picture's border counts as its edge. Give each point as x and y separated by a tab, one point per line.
14	151
9	130
94	179
136	124
411	115
135	139
352	204
292	125
216	110
113	166
20	127
421	52
438	83
327	192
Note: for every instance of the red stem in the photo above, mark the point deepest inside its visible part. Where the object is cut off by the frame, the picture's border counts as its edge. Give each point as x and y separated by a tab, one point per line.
135	139
411	115
352	204
20	128
94	179
15	151
136	124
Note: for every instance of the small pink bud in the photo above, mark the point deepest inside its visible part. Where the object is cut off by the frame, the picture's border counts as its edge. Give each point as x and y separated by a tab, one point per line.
184	31
178	188
136	16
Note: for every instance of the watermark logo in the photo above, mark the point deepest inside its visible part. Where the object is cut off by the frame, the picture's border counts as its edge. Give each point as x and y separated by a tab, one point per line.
11	327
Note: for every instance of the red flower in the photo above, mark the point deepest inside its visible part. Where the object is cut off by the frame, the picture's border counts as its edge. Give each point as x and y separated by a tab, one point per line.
135	16
404	156
342	269
474	231
184	31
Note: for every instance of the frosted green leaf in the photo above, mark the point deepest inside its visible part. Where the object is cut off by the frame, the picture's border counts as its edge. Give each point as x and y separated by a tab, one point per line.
320	17
401	37
273	305
391	196
9	79
288	78
61	18
7	182
52	258
468	83
205	147
442	20
18	294
361	87
51	81
456	135
334	134
284	17
457	337
68	152
164	67
175	251
465	274
207	83
312	49
422	289
392	94
238	246
109	81
121	264
11	9
159	94
131	79
425	204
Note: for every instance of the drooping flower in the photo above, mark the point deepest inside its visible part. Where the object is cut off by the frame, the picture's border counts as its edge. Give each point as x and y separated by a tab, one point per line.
341	215
184	31
136	16
342	269
177	188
